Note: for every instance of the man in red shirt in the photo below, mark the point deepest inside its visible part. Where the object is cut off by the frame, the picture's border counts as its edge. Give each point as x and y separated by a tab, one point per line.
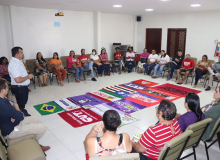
119	59
188	65
86	63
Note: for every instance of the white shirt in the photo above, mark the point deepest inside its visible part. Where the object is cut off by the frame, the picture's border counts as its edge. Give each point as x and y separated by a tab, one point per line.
153	58
17	69
164	59
94	57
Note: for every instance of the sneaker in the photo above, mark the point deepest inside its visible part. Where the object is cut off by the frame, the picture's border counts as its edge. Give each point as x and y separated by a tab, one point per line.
78	81
81	79
208	88
169	79
93	79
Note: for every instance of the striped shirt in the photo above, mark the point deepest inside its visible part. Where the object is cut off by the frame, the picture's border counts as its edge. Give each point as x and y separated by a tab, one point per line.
17	69
155	138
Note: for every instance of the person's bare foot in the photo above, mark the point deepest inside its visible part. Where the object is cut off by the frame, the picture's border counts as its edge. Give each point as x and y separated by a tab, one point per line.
45	148
61	83
125	68
194	86
45	84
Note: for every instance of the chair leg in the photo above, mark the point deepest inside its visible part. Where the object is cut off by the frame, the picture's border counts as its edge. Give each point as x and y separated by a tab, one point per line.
217	85
57	80
67	76
194	152
206	149
50	79
192	81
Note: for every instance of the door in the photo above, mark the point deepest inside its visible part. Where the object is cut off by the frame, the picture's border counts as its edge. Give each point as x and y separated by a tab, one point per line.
153	39
176	39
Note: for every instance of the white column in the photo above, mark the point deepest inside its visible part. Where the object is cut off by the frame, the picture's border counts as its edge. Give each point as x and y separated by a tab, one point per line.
97	31
135	34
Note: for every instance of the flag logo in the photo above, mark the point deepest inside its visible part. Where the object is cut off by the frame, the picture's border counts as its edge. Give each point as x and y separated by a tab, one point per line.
48	108
129	107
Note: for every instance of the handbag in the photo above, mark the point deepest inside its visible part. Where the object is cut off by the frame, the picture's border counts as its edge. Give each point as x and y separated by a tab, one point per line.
60	67
77	66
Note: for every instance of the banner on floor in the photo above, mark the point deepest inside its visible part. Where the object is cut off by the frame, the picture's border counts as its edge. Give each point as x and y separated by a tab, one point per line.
145	83
104	96
122	93
175	89
48	108
126	106
116	88
134	86
80	117
143	99
113	94
85	100
159	94
66	104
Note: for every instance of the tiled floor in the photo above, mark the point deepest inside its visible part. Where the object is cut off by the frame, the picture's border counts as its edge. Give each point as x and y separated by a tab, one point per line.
67	142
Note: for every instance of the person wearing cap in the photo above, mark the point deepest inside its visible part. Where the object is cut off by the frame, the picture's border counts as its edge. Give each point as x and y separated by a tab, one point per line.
214	72
130	56
119	59
188	65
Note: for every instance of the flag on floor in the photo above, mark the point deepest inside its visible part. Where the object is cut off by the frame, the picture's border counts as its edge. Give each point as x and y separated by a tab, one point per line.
126	119
66	104
121	88
143	99
104	96
80	117
175	89
122	93
126	106
48	108
145	83
134	86
113	94
159	94
111	89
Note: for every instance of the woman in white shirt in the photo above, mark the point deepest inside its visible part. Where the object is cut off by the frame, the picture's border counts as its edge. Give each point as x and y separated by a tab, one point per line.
162	62
97	62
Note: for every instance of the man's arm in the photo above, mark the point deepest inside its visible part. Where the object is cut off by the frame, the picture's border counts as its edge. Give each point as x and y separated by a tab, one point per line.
22	79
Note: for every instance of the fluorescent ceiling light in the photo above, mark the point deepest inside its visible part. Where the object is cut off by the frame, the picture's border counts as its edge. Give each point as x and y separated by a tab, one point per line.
117	6
149	10
195	5
164	0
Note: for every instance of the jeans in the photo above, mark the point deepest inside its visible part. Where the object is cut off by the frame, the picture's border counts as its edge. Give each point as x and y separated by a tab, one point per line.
130	67
160	69
121	63
150	69
199	74
77	70
7	78
89	66
173	67
99	68
106	68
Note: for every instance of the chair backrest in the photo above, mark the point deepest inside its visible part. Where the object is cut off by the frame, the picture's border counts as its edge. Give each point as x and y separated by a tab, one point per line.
198	129
48	64
2	148
64	61
129	156
216	129
212	61
174	148
30	65
195	60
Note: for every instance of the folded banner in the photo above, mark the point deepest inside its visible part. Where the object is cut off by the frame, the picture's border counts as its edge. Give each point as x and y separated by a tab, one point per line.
48	108
145	83
104	96
159	94
86	99
143	99
80	117
122	93
113	94
134	86
126	106
66	104
174	89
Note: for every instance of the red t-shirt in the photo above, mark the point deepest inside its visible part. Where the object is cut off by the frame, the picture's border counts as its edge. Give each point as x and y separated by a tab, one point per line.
84	58
188	64
155	138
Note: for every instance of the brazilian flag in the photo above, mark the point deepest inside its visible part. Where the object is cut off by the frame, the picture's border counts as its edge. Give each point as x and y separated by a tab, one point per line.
113	94
48	108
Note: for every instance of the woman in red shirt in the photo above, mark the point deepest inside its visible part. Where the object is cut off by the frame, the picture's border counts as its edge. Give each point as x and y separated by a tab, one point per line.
154	138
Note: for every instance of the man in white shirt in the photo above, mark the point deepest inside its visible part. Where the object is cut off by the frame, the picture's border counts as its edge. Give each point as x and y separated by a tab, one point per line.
152	61
20	79
130	56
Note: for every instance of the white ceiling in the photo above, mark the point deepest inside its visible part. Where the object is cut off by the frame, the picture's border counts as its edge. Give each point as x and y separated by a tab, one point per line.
130	7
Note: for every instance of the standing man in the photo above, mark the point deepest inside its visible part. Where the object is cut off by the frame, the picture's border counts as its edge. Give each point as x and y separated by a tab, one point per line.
20	79
86	63
130	56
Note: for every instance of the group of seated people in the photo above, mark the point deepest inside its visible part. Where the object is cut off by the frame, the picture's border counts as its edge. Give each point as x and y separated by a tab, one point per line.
180	64
170	124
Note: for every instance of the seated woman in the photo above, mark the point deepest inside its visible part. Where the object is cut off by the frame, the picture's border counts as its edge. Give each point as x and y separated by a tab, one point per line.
194	113
109	143
74	64
201	68
144	57
119	59
154	138
41	69
212	111
104	60
4	69
162	62
96	62
58	67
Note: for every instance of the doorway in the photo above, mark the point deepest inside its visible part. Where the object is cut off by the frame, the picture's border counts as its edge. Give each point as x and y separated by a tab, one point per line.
176	39
153	39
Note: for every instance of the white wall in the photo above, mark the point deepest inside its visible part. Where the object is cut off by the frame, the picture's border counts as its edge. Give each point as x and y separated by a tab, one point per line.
202	30
116	28
33	30
5	32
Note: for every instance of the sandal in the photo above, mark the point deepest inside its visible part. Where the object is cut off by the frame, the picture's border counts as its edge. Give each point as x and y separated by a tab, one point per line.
45	84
